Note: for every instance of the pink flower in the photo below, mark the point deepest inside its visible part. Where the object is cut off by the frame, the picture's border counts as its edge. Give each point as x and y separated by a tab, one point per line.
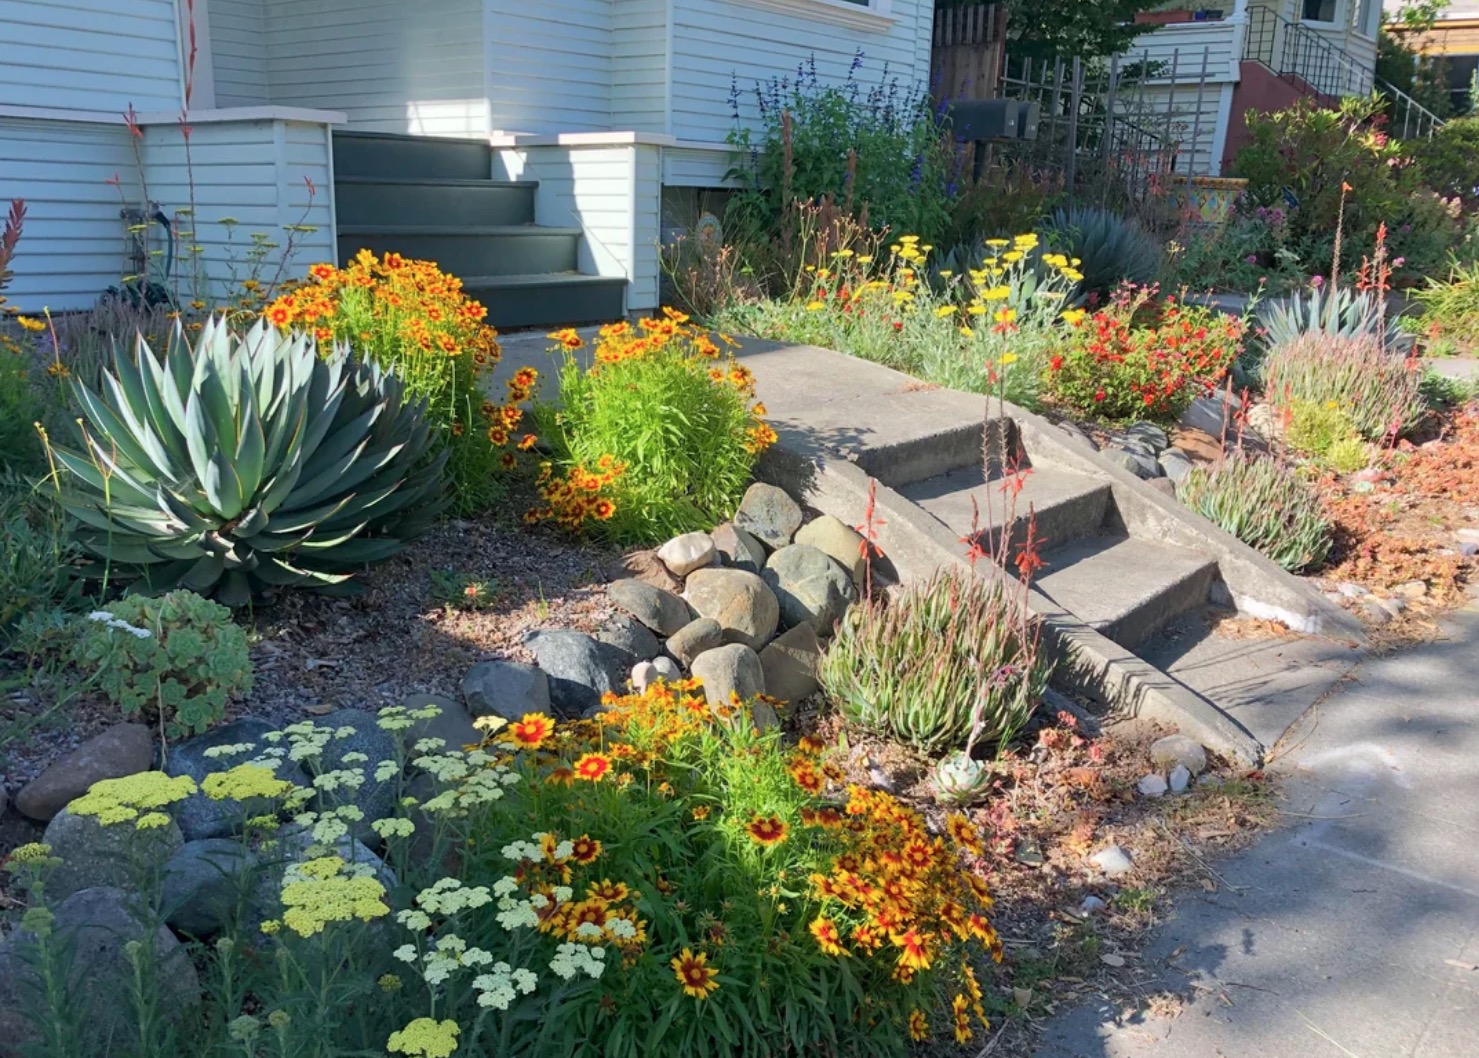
1317	281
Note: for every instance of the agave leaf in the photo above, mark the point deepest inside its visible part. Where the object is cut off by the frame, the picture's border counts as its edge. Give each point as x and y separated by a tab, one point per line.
333	476
125	387
306	518
122	489
251	450
276	571
110	425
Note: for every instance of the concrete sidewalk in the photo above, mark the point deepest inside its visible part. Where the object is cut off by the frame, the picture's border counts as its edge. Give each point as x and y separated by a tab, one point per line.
1354	933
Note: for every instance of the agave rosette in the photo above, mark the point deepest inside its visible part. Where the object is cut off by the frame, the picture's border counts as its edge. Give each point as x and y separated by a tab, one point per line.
247	463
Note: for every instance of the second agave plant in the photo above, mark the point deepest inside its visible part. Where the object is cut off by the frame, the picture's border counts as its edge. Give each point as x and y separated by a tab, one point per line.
247	463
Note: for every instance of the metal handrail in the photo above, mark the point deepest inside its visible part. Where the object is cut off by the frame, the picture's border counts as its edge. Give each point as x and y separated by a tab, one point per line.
1417	120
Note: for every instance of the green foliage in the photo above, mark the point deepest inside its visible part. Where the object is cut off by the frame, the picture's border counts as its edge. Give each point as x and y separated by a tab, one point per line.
246	464
1088	29
1339	311
36	556
176	659
1450	318
1325	433
1139	358
1442	394
20	445
672	414
951	659
463	591
1112	250
877	151
1446	160
1379	391
1010	198
1261	503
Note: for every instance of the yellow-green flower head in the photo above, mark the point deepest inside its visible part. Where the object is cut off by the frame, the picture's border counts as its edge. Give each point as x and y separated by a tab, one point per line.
425	1038
35	852
316	894
133	798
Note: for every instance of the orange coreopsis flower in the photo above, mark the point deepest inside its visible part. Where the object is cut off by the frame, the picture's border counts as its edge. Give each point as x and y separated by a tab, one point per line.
279	315
919	1026
698	979
960	1011
824	931
914	949
700	813
963	833
561	775
767	830
323	272
592	767
585	849
530	732
609	891
810	745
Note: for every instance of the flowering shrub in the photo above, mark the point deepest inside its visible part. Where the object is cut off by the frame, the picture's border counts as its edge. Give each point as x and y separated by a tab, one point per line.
1139	358
657	437
985	325
662	881
176	658
410	318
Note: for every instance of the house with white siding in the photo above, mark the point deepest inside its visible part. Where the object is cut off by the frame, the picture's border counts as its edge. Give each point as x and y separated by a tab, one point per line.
526	146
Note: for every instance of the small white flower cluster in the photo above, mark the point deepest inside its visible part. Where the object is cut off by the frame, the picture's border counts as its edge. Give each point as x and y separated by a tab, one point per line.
393	827
399	718
523	914
103	617
447	956
500	987
330	826
573	959
448	896
472	778
340	778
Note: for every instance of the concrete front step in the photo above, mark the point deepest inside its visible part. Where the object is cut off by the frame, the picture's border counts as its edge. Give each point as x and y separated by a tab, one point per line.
1125	588
1065	506
418	157
548	300
466	251
370	200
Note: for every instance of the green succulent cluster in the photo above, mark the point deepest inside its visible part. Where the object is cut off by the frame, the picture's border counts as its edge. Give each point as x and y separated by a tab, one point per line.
248	463
1111	249
948	654
176	659
1379	391
1264	505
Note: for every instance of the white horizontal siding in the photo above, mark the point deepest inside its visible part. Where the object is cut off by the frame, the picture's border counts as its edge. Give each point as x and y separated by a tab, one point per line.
647	230
717	40
1184	48
1182	115
239	53
391	66
97	55
72	246
695	167
639	66
252	173
550	65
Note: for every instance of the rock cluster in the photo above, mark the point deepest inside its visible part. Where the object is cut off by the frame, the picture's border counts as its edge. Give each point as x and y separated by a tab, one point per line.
1177	759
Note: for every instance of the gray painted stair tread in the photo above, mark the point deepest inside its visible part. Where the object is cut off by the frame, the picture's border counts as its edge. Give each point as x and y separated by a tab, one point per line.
435	181
1124	587
443	231
1265	683
1067	505
541	279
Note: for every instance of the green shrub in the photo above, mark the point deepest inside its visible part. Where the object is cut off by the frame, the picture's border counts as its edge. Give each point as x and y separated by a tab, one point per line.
1139	358
175	659
951	659
877	151
657	437
1445	160
247	463
36	557
1111	249
1450	317
1379	391
1325	433
1264	505
1008	199
20	445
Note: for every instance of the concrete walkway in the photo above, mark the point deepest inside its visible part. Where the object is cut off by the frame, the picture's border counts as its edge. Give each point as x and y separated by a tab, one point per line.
1353	933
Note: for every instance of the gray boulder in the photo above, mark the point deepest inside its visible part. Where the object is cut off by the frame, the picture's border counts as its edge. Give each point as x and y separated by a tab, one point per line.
123	749
630	636
204	884
453	724
738	548
1183	750
659	610
580	669
694	638
198	815
790	664
1137	463
1175	464
95	926
375	797
727	670
769	515
1150	434
810	587
95	855
740	601
646	567
838	541
505	688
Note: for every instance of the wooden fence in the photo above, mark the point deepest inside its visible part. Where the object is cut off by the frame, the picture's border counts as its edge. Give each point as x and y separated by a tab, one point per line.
969	51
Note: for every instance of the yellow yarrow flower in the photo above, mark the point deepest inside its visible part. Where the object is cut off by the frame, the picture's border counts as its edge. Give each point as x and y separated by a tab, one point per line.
323	896
243	782
425	1038
124	800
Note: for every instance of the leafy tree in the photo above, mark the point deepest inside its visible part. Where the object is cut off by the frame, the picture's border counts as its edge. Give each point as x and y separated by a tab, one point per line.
1087	28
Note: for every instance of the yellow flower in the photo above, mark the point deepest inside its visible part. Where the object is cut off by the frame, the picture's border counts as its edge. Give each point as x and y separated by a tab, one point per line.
865	259
128	799
29	324
1009	358
244	782
967	332
997	244
944	310
1073	317
322	895
919	1026
844	254
814	306
1005	315
998	293
1012	256
975	308
425	1038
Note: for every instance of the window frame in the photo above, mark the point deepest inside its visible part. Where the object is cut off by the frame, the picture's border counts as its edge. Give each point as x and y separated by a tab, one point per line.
1333	22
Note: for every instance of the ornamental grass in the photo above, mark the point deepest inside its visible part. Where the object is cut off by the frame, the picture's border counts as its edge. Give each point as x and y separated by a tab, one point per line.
1379	392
